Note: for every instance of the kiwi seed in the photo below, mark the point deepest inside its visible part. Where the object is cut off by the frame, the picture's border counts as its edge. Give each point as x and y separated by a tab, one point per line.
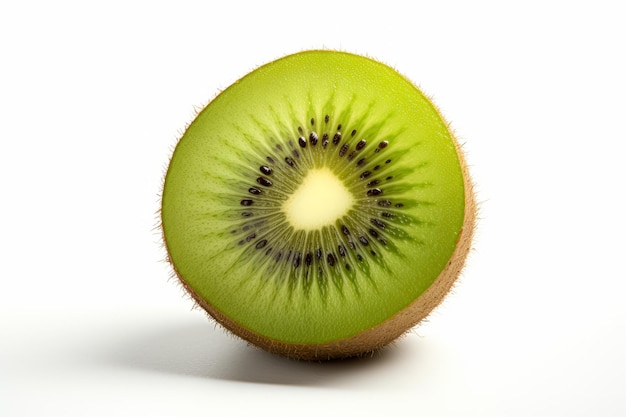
318	208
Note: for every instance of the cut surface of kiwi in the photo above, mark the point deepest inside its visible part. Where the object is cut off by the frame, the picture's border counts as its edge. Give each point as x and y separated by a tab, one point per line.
319	207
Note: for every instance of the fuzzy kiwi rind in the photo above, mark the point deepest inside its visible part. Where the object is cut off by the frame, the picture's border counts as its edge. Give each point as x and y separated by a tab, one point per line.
210	154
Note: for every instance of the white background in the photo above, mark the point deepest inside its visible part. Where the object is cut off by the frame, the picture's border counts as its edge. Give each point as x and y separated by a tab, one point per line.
94	96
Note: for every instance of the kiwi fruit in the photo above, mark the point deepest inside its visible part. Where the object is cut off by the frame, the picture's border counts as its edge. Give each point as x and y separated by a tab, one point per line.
319	207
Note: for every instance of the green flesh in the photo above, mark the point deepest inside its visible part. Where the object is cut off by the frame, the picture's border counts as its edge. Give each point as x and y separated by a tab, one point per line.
213	240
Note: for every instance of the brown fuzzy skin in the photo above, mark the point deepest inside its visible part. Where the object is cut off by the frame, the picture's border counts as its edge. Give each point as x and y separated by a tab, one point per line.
381	335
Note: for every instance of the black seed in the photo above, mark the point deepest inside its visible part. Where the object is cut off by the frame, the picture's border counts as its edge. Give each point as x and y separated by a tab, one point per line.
348	267
378	223
388	178
318	253
352	245
364	240
264	181
384	203
361	144
326	118
302	142
360	162
374	233
387	214
313	138
290	143
250	237
254	190
296	260
265	169
374	191
373	183
241	242
278	256
373	253
261	244
383	241
247	202
308	259
365	174
343	150
300	129
312	121
267	252
387	161
339	126
234	231
270	160
376	167
359	257
399	205
342	250
325	140
288	256
290	161
337	138
279	147
345	230
296	153
354	132
383	144
247	227
351	155
331	259
246	214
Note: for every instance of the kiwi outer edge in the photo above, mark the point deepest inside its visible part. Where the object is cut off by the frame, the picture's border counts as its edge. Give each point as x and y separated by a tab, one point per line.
386	332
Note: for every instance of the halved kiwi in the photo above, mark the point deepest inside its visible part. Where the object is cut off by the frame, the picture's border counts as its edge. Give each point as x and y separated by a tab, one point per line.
319	207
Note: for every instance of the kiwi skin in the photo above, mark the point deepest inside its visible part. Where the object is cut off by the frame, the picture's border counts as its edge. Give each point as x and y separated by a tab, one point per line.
381	335
384	333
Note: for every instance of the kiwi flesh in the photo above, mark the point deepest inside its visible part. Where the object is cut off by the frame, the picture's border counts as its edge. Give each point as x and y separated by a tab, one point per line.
319	207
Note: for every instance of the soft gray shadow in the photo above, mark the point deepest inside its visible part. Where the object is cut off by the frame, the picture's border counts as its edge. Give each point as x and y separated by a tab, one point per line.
202	350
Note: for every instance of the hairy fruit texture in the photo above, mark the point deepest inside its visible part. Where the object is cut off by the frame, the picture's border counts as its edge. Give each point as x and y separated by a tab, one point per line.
319	207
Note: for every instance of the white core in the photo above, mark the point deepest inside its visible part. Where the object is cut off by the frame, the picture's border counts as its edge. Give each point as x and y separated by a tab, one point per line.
320	200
